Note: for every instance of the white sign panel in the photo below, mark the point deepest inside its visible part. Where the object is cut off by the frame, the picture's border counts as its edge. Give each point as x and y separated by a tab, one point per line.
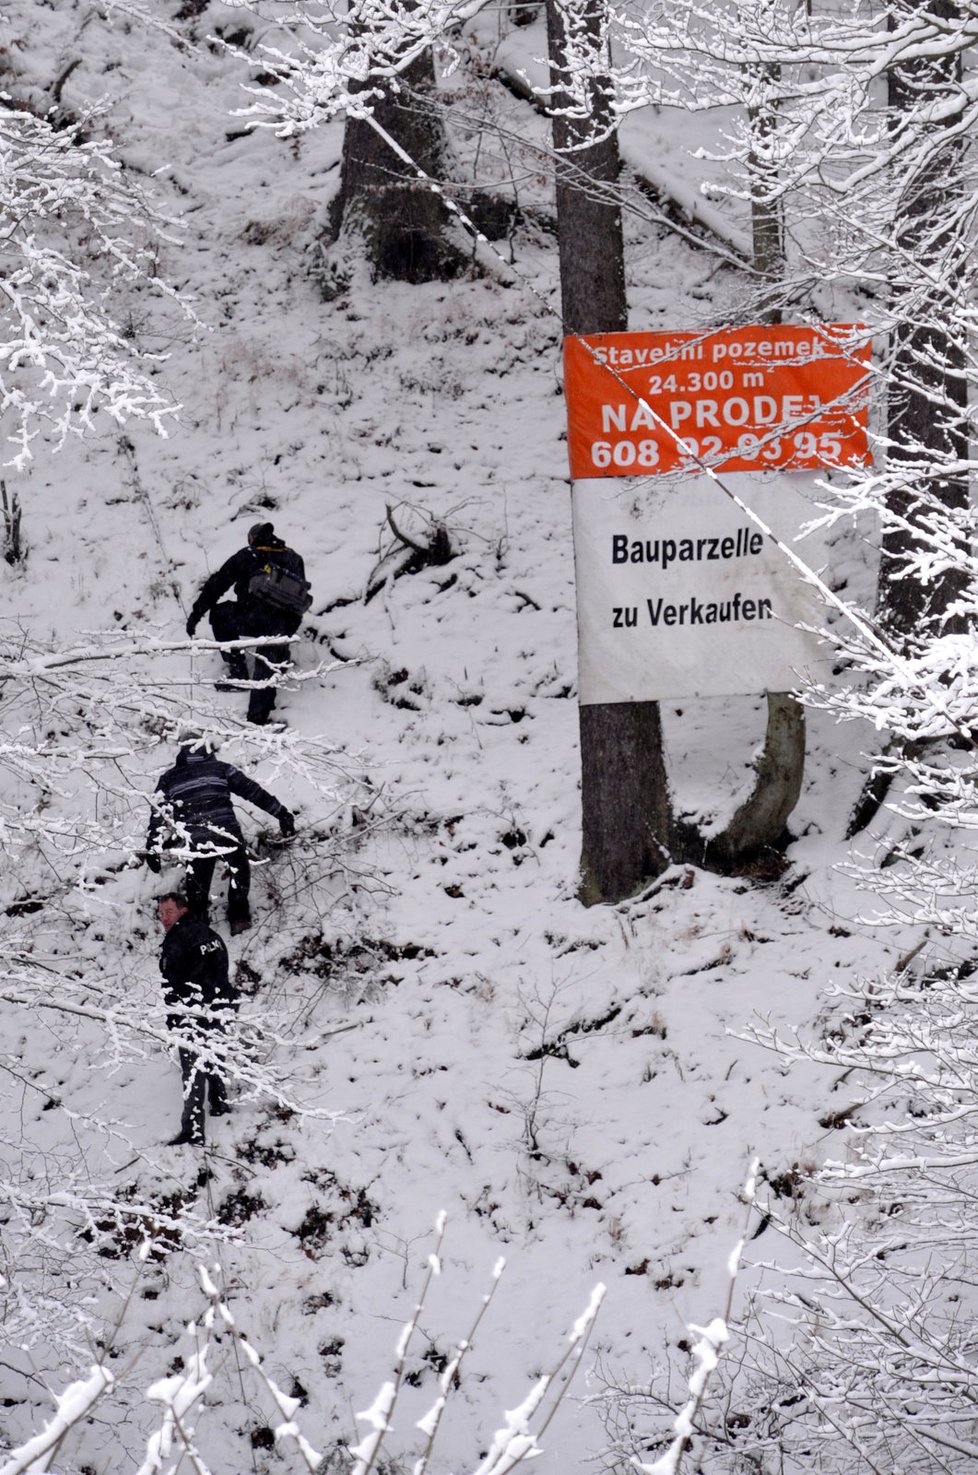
680	594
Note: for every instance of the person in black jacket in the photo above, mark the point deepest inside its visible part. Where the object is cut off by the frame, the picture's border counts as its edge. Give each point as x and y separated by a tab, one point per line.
193	813
270	598
196	991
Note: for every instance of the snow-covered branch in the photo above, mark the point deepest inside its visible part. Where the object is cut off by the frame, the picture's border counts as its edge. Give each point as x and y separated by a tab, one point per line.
73	229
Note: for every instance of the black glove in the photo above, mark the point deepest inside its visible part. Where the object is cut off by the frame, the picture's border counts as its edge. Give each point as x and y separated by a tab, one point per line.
286	823
192	622
154	862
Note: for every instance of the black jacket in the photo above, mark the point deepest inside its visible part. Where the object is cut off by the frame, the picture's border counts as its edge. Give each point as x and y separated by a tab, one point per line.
238	572
193	800
194	964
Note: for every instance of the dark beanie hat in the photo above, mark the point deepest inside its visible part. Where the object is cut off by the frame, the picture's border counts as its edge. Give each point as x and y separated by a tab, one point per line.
260	532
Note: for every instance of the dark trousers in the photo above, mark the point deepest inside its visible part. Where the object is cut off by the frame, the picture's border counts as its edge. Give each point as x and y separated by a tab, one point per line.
233	620
269	660
200	874
201	1085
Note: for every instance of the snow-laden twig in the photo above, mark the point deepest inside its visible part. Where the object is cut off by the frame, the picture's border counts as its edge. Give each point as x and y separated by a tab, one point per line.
285	1406
62	355
71	1408
179	1394
430	1422
326	69
706	1353
516	1440
74	1405
378	1416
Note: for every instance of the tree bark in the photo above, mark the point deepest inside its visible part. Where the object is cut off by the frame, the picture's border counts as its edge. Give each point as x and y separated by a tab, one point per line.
927	410
928	389
625	807
760	823
626	815
591	243
395	216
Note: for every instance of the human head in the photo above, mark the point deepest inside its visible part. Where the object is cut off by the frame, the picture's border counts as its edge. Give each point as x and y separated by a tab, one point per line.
192	740
172	906
260	532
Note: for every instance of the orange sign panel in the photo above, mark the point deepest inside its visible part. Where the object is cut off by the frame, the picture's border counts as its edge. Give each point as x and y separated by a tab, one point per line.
739	399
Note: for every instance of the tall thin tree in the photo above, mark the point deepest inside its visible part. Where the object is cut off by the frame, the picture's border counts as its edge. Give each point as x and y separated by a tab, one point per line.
626	811
759	823
928	386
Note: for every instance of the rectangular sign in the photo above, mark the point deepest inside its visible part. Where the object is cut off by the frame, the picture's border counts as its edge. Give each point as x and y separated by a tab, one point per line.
738	399
683	595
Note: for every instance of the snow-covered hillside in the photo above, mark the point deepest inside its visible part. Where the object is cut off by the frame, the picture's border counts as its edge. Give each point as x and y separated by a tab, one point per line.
568	1086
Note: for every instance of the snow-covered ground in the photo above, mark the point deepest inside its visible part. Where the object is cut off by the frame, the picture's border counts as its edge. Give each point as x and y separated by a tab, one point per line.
569	1086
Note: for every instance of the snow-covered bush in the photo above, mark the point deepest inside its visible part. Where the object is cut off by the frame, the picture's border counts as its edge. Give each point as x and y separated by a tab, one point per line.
869	1349
75	228
181	1395
856	1346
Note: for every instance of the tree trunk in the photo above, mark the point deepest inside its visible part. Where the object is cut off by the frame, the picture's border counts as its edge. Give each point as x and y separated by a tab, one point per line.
928	389
760	822
624	790
393	214
625	808
589	228
928	385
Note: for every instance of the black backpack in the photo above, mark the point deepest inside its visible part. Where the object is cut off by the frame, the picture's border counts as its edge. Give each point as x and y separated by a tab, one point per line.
281	586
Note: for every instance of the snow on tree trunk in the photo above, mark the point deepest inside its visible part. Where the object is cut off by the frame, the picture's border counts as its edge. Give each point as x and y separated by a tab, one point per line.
928	392
759	823
391	213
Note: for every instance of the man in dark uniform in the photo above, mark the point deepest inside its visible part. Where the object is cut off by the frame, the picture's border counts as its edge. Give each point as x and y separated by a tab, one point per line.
196	991
193	813
270	597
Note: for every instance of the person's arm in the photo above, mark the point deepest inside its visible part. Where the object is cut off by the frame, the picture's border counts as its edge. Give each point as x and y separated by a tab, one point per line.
174	968
246	788
217	585
219	992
